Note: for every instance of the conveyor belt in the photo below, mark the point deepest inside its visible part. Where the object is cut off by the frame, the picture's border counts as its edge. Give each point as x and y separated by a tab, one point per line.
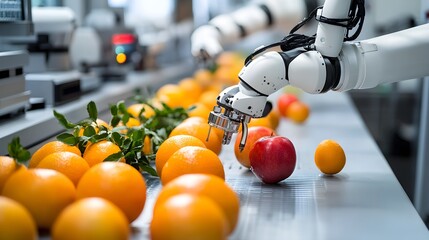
364	201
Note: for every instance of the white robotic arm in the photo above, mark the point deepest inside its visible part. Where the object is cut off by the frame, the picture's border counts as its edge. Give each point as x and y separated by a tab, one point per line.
208	40
329	65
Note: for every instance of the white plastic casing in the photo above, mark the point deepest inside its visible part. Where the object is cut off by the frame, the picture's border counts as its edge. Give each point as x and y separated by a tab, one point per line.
266	73
329	38
308	72
207	38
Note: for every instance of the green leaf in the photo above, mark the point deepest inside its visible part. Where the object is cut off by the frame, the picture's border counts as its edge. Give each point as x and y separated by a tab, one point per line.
114	157
68	138
63	121
89	131
99	137
114	110
115	121
125	118
126	144
138	135
17	151
92	111
149	169
85	122
122	108
117	139
130	157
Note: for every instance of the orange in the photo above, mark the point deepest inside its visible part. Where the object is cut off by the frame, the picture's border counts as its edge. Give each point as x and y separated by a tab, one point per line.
329	157
227	75
117	182
260	122
204	120
171	145
229	59
284	101
67	163
173	96
216	86
209	98
204	77
44	192
199	130
136	108
274	117
191	88
8	166
15	221
132	122
147	146
200	110
188	216
97	152
192	159
51	147
298	112
253	134
92	219
206	185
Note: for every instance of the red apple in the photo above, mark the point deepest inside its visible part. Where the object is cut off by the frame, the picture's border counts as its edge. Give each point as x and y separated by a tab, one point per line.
273	158
253	134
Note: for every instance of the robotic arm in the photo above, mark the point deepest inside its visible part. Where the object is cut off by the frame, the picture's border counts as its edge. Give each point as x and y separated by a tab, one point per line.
323	63
208	40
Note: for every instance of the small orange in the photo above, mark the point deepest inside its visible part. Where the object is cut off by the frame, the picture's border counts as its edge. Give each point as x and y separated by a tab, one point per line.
133	122
329	157
209	98
51	147
284	101
136	108
97	152
8	166
117	182
67	163
171	145
230	59
204	77
199	110
192	159
44	192
209	186
199	130
147	146
298	112
91	218
191	88
274	117
188	216
204	120
15	221
173	96
260	122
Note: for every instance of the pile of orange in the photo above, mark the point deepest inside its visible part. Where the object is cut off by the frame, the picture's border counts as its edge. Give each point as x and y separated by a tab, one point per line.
291	107
63	188
204	207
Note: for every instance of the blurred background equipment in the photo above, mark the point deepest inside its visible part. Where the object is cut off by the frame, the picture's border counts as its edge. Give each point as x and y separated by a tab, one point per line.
15	22
50	74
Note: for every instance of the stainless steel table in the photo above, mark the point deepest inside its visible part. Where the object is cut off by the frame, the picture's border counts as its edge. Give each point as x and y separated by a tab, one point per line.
364	201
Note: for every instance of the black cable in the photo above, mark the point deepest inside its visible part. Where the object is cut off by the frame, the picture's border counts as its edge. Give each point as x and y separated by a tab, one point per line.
356	17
